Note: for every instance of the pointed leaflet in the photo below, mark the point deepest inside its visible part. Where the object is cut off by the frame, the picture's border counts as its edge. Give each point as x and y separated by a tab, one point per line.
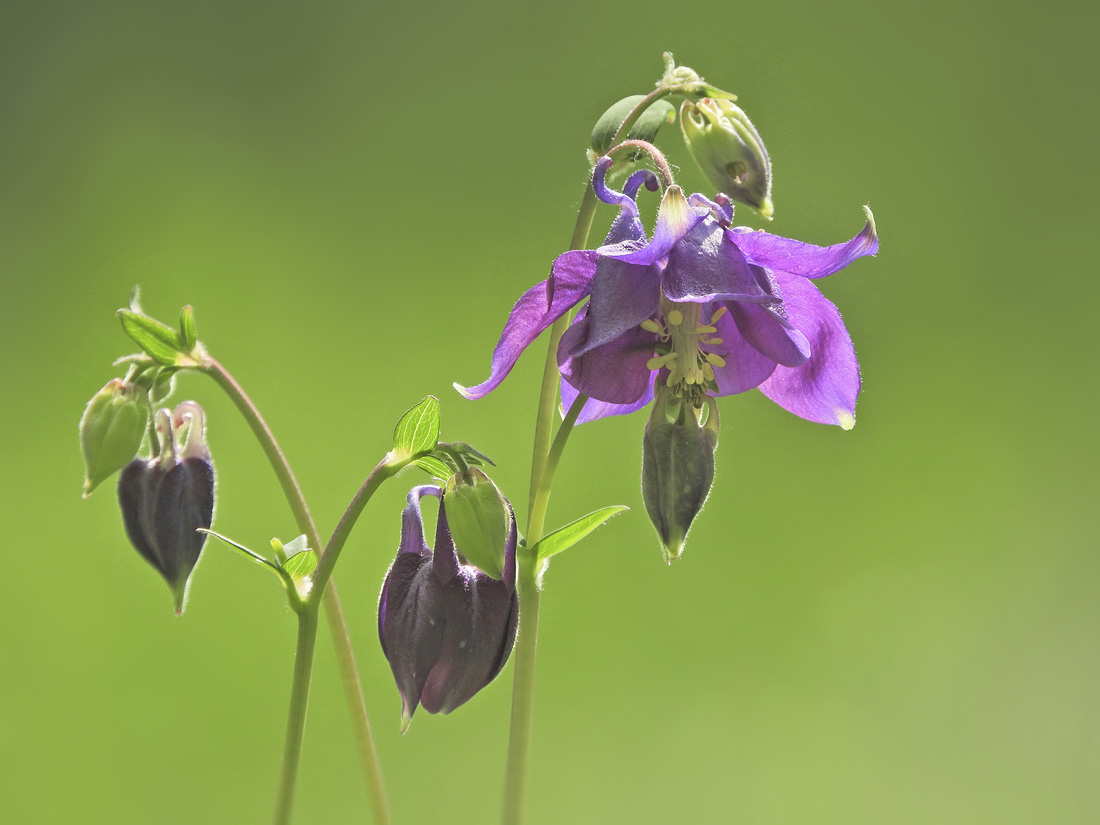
161	342
565	537
417	433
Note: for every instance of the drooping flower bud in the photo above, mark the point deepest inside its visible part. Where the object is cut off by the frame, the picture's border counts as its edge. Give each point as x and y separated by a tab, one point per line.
729	150
166	498
446	628
677	467
111	431
480	520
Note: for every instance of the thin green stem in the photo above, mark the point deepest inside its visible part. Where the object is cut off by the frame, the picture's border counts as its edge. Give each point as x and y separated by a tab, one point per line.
380	473
544	462
542	473
353	693
345	656
296	721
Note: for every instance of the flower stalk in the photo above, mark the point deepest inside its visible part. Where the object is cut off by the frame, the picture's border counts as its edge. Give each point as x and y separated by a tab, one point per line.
345	655
543	465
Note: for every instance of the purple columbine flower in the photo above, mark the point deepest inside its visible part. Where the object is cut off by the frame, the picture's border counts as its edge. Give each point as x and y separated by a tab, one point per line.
708	308
446	627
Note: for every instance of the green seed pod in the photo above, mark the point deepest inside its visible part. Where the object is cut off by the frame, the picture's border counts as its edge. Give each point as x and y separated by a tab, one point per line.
729	150
111	430
677	468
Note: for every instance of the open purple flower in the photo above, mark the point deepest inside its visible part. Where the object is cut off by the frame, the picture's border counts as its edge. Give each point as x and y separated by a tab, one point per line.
708	308
446	628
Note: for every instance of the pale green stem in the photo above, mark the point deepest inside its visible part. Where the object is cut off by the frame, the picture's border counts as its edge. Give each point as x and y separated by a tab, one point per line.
380	473
544	462
345	656
296	721
542	472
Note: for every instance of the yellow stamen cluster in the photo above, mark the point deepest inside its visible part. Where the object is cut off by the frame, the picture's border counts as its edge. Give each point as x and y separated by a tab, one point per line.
681	337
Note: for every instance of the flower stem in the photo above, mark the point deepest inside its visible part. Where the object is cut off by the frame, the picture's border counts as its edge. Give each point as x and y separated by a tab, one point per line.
384	470
543	464
296	721
345	655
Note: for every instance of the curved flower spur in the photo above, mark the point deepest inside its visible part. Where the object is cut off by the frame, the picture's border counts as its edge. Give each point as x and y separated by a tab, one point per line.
446	627
707	308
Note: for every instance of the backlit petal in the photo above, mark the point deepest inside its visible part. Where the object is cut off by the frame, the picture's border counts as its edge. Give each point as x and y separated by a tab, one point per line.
825	388
537	309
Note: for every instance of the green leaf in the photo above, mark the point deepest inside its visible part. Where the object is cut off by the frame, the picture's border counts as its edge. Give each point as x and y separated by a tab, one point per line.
565	537
417	433
434	467
161	342
300	565
471	455
256	557
645	128
296	545
187	328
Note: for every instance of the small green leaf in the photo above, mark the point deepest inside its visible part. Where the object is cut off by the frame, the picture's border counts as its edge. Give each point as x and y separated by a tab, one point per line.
434	467
187	328
296	545
565	537
300	565
417	433
256	557
163	385
161	342
645	128
471	455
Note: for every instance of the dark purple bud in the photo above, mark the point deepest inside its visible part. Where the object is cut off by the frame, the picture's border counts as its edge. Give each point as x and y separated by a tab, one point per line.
446	628
165	499
677	466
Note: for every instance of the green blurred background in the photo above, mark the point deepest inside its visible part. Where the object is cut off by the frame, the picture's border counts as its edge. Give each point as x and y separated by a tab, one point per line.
892	625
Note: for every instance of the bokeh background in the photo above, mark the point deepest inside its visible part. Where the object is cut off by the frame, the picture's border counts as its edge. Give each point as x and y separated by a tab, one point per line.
892	625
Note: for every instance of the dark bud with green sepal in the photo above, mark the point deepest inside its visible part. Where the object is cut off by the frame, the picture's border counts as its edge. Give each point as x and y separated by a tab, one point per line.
166	498
446	627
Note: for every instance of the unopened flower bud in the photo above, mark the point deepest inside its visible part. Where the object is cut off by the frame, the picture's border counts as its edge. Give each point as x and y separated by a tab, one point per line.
729	150
111	431
166	498
677	467
446	628
480	520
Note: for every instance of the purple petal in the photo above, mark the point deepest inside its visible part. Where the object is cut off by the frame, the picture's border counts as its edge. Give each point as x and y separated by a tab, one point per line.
594	409
745	366
766	328
674	221
479	627
807	260
444	555
614	372
825	388
412	522
537	309
410	625
623	295
706	265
